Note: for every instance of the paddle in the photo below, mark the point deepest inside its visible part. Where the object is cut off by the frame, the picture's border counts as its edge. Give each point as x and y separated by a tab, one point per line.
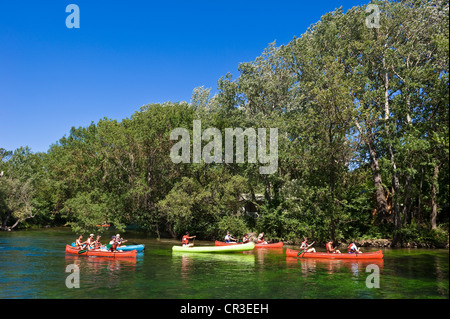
306	248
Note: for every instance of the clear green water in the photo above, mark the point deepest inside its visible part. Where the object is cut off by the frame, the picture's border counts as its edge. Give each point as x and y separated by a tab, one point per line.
33	265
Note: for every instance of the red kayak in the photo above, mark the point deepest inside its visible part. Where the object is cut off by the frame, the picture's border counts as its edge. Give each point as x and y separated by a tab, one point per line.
375	255
100	253
274	245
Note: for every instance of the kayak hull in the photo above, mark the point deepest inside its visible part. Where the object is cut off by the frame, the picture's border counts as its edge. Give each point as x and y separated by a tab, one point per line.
138	248
214	249
101	253
375	255
274	245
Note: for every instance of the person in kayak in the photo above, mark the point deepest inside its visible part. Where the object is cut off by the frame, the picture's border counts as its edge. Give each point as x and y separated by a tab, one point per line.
120	240
306	247
353	249
229	238
185	240
78	243
90	242
113	244
97	243
331	249
260	239
245	239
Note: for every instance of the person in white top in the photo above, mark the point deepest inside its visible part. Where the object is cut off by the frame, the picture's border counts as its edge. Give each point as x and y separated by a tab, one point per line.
229	238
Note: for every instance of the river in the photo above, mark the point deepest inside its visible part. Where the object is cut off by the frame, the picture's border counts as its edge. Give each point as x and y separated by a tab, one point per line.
33	264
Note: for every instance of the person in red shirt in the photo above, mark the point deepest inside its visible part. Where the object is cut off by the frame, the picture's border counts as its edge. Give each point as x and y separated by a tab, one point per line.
185	240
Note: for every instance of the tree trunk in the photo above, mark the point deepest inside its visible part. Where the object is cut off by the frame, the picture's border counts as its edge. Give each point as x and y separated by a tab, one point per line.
381	201
434	191
382	206
5	221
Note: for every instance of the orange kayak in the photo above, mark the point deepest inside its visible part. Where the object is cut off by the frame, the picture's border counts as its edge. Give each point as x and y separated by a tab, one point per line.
375	255
100	253
274	245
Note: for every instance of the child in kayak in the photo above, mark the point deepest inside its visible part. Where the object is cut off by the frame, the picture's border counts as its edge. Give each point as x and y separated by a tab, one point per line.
185	240
353	249
90	242
120	240
331	249
78	243
112	246
245	239
306	247
97	243
260	239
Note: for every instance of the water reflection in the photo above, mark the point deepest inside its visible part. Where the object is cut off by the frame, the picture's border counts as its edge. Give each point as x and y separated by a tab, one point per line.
331	266
98	271
190	261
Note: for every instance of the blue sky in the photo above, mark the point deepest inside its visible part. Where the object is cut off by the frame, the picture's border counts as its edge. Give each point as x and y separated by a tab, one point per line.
127	54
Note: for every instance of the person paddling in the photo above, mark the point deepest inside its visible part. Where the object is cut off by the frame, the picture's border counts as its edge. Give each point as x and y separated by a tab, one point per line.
90	242
120	240
112	246
229	238
306	247
78	243
185	240
331	249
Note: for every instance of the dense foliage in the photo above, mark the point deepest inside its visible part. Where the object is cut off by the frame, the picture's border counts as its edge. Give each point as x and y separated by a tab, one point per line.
363	144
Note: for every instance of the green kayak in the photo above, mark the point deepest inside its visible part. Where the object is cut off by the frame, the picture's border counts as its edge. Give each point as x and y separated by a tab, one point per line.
214	249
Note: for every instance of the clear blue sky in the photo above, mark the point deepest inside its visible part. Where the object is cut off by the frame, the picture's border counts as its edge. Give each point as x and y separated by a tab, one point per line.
127	54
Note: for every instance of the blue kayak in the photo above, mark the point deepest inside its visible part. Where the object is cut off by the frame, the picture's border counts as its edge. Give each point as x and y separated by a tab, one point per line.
139	248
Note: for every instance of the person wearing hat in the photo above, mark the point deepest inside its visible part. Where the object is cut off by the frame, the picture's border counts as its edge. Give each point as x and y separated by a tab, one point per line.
120	240
112	246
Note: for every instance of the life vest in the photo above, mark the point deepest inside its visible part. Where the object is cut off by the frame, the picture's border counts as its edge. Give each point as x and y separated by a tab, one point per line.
113	247
304	244
349	249
185	240
78	243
